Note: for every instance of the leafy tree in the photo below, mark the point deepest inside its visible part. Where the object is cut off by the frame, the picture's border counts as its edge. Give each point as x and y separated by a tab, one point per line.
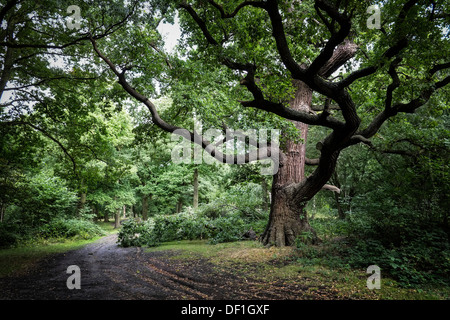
297	66
282	64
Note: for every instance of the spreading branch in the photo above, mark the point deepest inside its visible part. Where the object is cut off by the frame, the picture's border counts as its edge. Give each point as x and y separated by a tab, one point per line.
391	52
224	15
267	152
335	39
48	135
260	102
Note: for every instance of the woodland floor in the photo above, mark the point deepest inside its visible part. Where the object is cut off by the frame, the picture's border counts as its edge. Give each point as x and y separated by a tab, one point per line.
193	270
110	272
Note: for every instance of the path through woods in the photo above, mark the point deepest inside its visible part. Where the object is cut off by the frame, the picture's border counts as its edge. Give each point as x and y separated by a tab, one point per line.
110	272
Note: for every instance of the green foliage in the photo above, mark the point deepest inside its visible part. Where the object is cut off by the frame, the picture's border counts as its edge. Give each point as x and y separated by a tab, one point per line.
9	235
304	238
244	198
162	228
228	229
134	234
44	197
70	228
184	226
395	200
67	128
59	228
177	227
422	260
409	251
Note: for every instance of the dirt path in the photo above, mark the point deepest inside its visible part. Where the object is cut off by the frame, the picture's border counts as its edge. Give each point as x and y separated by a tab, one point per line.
109	272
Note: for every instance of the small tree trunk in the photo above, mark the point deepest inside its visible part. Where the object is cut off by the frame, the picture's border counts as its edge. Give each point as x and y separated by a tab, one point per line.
2	211
179	205
96	212
341	213
105	216
81	202
117	219
144	207
337	196
195	188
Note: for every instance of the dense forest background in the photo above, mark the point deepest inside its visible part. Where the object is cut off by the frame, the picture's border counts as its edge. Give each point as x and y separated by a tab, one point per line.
75	149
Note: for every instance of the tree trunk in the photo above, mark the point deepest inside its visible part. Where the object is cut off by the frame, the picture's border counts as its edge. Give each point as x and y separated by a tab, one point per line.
290	190
117	219
337	197
2	211
81	202
106	217
341	213
96	212
179	205
145	207
195	188
288	220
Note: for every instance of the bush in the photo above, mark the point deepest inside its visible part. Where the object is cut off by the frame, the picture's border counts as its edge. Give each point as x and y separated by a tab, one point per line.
184	226
8	236
13	233
134	234
228	229
162	228
418	260
45	198
70	228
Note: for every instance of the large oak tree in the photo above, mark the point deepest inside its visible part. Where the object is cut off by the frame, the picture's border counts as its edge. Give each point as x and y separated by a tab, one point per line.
307	62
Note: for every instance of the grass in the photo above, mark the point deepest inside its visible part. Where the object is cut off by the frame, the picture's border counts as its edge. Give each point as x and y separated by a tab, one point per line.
18	260
249	259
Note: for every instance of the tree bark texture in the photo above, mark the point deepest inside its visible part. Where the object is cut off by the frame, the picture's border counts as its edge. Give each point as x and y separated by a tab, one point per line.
179	205
81	202
287	220
145	207
117	219
291	191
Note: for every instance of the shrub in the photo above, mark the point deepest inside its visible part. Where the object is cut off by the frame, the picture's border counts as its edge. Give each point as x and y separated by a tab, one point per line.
45	198
184	226
424	259
8	236
134	233
163	228
228	229
70	228
180	226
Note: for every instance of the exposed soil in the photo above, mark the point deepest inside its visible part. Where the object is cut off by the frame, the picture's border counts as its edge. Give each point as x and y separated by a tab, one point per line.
110	272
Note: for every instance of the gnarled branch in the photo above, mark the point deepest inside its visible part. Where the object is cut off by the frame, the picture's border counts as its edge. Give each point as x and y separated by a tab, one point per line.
268	152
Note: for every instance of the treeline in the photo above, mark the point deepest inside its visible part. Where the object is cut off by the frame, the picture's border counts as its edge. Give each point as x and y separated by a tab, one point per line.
109	171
